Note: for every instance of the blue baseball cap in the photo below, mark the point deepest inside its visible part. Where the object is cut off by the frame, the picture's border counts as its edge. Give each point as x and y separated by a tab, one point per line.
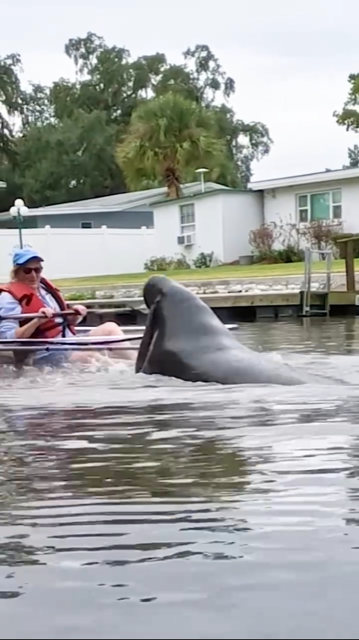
24	255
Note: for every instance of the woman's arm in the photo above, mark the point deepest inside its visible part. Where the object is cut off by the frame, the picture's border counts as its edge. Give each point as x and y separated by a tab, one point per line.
10	329
28	329
8	307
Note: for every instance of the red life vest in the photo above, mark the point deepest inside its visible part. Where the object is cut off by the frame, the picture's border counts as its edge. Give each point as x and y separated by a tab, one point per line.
31	303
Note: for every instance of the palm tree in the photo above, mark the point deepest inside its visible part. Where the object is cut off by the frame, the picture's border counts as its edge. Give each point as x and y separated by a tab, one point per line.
168	138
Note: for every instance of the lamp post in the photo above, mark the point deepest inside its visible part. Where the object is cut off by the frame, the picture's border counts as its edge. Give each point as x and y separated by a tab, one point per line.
202	172
18	211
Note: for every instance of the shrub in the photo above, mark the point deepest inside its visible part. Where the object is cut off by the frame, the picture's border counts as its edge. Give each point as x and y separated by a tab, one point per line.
80	295
290	253
290	235
164	263
203	260
321	234
156	263
263	240
180	262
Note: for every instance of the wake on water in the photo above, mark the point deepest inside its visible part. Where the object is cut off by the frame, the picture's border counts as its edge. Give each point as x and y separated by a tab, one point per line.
115	383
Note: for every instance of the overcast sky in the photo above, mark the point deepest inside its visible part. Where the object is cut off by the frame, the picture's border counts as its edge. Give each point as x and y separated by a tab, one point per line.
290	61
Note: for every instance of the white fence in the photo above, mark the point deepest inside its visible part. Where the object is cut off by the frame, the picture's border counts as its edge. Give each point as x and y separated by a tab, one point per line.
70	253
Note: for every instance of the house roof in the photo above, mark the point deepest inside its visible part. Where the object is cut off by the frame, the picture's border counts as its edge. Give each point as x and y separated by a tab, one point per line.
198	195
120	201
305	178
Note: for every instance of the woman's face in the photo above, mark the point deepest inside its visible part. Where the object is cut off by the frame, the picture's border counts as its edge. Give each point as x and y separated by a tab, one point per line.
30	273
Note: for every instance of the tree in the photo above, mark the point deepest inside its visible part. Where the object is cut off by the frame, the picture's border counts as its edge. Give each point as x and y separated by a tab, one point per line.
348	117
246	142
207	75
10	103
109	89
37	108
168	138
202	79
353	157
68	161
10	107
109	81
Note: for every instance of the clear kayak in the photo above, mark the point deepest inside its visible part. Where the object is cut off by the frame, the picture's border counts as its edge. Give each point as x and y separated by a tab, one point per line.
132	335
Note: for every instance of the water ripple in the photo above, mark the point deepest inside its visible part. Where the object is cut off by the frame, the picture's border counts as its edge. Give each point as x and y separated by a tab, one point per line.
219	512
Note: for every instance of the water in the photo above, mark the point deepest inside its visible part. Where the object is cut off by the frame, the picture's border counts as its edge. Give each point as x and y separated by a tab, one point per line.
146	508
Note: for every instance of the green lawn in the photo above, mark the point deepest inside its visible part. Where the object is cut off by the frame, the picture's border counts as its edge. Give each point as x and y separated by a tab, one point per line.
215	273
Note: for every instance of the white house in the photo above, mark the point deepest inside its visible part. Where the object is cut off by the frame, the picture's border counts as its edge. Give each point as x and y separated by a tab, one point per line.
117	238
220	220
328	195
217	220
130	210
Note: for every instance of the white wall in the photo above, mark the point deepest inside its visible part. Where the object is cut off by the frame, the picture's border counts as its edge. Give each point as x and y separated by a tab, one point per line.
241	213
209	230
280	204
81	252
223	223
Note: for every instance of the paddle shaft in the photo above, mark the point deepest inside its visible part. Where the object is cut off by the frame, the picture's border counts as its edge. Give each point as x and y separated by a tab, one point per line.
95	341
64	314
36	316
67	347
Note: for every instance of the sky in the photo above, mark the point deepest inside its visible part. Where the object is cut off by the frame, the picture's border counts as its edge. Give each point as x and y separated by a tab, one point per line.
290	62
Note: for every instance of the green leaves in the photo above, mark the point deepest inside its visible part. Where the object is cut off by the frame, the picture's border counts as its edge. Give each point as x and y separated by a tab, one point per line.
154	120
67	161
168	138
10	105
348	117
10	86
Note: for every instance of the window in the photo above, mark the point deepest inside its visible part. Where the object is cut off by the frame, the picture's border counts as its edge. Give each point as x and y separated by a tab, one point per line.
326	205
86	225
187	219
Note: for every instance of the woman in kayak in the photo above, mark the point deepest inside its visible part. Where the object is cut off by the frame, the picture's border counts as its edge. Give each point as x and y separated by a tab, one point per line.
29	292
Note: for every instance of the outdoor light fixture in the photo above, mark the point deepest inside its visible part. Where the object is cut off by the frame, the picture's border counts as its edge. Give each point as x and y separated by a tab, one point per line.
18	211
202	172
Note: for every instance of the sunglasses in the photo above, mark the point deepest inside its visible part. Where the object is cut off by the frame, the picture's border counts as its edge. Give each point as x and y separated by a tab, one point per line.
28	270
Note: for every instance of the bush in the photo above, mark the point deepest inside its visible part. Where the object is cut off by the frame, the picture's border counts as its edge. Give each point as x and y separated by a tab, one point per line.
290	254
268	257
160	263
163	263
180	262
322	234
80	295
319	235
203	260
263	240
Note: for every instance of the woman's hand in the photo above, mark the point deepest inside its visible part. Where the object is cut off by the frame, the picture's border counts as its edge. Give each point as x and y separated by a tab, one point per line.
80	312
29	328
47	313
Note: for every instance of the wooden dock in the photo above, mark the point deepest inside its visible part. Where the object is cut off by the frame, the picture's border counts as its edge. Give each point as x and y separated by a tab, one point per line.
233	307
230	307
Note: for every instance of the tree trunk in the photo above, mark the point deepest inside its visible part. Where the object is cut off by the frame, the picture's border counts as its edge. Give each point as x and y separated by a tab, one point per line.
173	182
